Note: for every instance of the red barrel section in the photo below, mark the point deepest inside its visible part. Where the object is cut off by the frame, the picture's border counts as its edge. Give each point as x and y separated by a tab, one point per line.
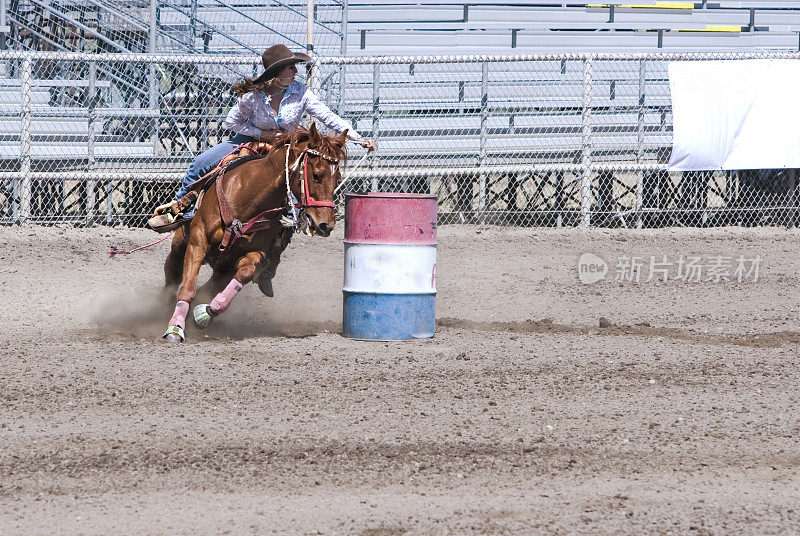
386	218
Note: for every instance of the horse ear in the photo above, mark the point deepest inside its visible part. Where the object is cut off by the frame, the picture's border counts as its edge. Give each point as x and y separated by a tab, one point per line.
343	135
313	133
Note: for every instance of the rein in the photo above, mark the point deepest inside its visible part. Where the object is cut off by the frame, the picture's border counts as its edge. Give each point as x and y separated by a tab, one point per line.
114	251
350	172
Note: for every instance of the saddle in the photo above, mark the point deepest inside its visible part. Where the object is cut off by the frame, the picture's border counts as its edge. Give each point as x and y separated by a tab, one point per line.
243	153
169	216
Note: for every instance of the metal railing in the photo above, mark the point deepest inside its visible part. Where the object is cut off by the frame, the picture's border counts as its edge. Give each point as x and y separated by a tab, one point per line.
544	139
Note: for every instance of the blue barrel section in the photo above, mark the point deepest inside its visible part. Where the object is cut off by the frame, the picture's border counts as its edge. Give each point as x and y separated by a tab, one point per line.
390	267
389	317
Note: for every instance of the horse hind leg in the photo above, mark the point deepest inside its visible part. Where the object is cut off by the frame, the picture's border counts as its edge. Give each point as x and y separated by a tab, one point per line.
279	244
245	270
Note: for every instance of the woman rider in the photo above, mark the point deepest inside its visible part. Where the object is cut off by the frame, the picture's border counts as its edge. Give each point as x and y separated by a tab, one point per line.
267	105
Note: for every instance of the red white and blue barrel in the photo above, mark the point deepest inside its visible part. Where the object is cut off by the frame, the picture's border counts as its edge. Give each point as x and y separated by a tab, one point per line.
389	266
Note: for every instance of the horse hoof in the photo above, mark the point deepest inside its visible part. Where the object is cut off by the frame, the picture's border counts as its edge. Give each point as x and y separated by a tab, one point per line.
202	315
174	335
265	286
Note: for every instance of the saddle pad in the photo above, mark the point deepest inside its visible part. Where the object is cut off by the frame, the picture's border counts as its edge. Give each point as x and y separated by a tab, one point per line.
239	161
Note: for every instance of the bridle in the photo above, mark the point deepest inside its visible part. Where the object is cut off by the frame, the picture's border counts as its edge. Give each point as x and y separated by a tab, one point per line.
305	194
305	200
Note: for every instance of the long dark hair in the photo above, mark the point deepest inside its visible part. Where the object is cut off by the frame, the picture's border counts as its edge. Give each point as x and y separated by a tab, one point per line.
249	84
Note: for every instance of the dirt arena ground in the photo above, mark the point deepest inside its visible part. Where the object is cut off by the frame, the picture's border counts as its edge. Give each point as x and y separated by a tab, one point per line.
542	406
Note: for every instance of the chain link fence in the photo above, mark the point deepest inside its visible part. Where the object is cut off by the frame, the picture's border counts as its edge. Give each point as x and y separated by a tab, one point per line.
537	140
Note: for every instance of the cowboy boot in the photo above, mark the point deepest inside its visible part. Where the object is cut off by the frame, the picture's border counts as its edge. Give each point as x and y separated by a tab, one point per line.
178	206
273	260
186	202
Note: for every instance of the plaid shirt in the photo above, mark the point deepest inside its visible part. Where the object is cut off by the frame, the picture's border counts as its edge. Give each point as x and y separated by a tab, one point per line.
252	113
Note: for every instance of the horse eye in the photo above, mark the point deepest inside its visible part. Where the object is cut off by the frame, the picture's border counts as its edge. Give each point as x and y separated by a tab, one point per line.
316	178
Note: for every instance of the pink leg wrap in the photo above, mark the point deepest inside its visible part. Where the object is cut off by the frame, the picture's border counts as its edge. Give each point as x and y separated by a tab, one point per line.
179	316
222	300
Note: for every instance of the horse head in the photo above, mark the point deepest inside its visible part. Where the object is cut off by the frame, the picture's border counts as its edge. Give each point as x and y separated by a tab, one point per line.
314	176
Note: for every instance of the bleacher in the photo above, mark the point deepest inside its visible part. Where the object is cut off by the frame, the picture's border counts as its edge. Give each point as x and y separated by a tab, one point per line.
233	27
62	132
391	27
377	27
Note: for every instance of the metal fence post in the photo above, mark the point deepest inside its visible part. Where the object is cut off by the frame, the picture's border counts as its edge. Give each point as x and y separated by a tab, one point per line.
91	184
192	22
376	110
640	144
24	212
312	80
343	53
4	28
482	142
109	203
153	90
586	145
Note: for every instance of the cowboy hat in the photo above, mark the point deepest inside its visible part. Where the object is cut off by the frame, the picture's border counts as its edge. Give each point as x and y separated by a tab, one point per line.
276	58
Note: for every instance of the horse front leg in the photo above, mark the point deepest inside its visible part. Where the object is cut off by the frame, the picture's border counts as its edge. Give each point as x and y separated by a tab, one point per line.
174	263
245	270
193	259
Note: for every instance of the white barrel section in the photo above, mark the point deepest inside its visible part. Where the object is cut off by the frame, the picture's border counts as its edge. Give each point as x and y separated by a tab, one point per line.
390	269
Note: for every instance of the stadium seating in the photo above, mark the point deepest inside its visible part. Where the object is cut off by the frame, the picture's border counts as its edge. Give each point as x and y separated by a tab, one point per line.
381	27
378	28
61	132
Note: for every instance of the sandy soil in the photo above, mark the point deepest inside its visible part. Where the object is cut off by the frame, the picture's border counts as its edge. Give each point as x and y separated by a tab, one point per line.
522	416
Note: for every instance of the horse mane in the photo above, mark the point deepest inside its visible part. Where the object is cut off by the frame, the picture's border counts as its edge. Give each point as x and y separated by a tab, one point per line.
332	146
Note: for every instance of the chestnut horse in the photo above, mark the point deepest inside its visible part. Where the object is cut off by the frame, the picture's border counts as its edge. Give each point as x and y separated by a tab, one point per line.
237	229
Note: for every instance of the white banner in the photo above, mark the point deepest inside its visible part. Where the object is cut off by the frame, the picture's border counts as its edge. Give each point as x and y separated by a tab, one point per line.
737	114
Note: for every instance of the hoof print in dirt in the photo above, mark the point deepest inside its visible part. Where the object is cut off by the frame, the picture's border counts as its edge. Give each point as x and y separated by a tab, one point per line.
606	323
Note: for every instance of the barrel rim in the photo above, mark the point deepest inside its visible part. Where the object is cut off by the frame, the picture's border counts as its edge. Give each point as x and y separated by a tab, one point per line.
351	242
412	339
349	293
389	195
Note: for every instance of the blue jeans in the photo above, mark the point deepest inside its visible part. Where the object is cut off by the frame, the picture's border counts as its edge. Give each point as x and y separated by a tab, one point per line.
206	161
